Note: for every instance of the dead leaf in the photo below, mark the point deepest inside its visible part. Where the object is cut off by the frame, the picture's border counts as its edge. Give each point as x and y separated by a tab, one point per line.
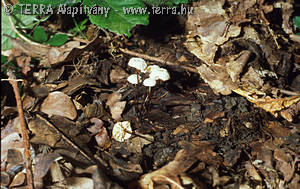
116	106
292	112
284	164
78	83
42	166
118	75
58	103
217	78
11	141
18	180
269	104
76	183
211	24
184	159
24	63
136	144
100	132
42	133
36	51
15	156
70	51
252	172
236	65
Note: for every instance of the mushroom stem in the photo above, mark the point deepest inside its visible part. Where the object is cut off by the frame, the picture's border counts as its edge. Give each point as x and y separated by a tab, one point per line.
149	93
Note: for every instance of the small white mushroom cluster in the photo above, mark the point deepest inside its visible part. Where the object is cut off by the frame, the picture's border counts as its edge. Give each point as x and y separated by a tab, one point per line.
155	72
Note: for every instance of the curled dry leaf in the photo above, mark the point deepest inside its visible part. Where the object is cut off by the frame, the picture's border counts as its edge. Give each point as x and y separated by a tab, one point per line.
122	131
58	103
18	180
116	106
101	134
274	106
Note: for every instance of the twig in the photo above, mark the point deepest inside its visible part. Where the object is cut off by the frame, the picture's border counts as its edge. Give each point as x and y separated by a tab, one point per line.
13	80
287	92
24	133
147	57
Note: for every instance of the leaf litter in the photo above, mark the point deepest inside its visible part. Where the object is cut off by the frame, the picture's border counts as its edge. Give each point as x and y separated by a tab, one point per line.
233	122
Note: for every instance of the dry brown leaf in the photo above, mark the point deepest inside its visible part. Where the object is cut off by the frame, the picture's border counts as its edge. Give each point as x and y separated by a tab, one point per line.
58	103
252	172
42	133
170	174
101	134
101	181
11	141
118	75
136	144
70	51
29	49
96	128
116	106
236	65
211	24
284	163
18	180
55	55
76	183
292	112
267	103
24	63
217	78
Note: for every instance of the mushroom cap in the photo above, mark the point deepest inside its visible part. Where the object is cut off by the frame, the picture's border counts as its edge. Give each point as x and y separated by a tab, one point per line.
164	74
160	73
152	68
133	79
137	63
119	131
149	82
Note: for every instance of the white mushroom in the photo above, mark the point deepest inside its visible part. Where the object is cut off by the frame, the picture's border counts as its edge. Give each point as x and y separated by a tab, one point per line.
138	63
149	82
160	73
134	79
152	68
121	131
164	74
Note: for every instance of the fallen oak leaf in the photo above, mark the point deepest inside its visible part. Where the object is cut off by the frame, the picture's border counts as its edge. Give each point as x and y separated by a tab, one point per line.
269	104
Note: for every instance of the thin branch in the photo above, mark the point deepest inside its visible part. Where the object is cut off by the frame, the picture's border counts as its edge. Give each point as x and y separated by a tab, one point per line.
24	133
13	80
151	58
